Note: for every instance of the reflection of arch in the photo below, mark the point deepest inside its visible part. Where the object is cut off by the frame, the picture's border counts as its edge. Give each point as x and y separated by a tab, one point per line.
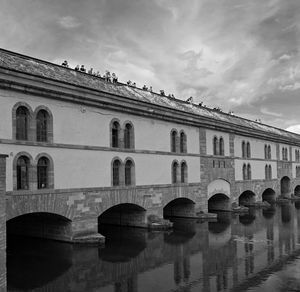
297	190
180	207
246	198
219	202
247	219
218	186
41	225
269	213
268	195
124	214
122	244
52	261
285	185
219	227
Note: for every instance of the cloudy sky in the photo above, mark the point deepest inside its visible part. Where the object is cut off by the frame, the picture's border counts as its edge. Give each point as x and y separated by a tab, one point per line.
241	55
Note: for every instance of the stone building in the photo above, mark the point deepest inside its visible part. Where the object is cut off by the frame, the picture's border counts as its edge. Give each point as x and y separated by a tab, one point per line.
83	151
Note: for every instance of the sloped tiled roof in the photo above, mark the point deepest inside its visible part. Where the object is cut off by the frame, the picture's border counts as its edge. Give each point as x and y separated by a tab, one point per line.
25	64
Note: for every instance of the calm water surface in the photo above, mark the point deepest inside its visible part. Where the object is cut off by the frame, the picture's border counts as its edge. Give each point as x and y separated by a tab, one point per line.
259	251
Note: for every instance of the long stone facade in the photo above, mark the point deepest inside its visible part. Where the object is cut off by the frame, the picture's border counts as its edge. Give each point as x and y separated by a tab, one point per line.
83	152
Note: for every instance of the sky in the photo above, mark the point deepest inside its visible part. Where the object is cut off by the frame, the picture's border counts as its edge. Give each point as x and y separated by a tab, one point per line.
239	55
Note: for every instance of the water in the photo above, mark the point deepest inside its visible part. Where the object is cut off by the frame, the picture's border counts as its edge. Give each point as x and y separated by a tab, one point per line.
259	251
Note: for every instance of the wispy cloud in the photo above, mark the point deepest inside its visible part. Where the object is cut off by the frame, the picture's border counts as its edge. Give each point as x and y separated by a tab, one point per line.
68	22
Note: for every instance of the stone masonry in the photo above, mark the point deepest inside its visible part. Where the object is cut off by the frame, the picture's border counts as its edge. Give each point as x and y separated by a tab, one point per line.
2	224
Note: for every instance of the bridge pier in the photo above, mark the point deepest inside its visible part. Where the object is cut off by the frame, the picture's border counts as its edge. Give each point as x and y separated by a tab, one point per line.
2	223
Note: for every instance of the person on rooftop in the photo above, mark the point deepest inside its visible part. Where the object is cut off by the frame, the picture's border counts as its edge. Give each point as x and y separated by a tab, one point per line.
145	87
129	82
82	69
134	84
90	71
65	63
162	92
77	68
107	76
114	78
150	89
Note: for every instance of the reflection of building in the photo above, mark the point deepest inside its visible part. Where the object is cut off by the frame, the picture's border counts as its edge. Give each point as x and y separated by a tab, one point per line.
84	151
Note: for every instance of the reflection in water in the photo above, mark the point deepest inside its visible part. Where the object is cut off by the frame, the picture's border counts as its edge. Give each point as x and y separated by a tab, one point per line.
258	251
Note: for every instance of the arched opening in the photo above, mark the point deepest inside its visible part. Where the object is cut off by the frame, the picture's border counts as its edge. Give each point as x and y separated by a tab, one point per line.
297	191
269	196
42	125
22	123
128	136
123	215
248	150
247	198
221	150
116	172
173	141
41	225
115	133
218	202
215	145
183	172
180	207
129	173
43	173
23	173
183	143
285	185
175	167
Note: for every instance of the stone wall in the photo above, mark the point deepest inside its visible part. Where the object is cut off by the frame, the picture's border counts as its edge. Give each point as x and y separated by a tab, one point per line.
2	224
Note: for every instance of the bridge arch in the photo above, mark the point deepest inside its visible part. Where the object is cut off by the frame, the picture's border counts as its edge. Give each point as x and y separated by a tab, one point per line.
179	207
124	214
42	225
219	202
297	190
269	195
246	198
285	185
218	186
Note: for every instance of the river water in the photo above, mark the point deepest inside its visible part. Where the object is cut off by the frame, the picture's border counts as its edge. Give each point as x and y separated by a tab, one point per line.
259	251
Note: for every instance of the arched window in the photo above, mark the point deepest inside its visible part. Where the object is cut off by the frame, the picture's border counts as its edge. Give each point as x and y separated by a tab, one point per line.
286	154
266	151
23	173
183	172
128	136
116	172
283	154
266	172
174	172
244	171
115	133
243	149
22	123
183	143
42	120
129	173
269	152
248	150
215	145
173	141
43	173
249	175
221	146
270	172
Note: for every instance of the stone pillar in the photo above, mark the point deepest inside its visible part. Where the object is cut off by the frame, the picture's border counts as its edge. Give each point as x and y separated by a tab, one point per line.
2	223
